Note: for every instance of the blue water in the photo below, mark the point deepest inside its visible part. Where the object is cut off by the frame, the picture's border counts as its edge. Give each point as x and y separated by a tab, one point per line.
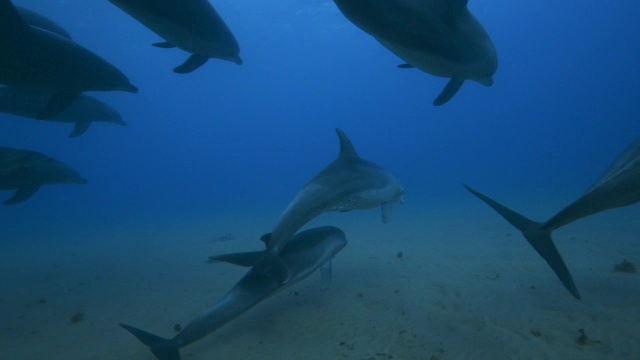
230	138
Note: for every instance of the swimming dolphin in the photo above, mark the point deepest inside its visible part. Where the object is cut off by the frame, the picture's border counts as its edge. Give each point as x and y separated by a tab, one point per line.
26	171
304	254
84	110
348	183
38	59
34	19
619	186
439	37
191	25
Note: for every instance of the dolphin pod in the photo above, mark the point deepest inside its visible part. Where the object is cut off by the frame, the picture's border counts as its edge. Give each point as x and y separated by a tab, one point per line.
348	183
191	25
26	171
39	59
619	186
439	37
307	252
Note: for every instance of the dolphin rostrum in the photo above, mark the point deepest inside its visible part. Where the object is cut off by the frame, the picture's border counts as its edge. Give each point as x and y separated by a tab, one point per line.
348	183
191	25
26	171
439	37
619	186
308	251
82	112
38	59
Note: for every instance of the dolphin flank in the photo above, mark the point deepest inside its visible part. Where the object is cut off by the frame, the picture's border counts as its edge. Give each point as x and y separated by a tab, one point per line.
26	171
306	252
191	25
82	112
348	183
439	37
38	59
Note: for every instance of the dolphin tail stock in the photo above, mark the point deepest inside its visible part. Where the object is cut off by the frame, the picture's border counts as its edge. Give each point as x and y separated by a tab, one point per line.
539	238
163	349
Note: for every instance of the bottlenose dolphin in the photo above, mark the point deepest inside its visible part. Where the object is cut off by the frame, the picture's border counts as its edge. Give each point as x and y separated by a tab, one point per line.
38	59
34	19
348	183
26	171
439	37
191	25
619	186
84	110
304	254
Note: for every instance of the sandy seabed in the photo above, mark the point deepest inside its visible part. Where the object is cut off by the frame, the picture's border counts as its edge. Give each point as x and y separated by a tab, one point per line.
435	283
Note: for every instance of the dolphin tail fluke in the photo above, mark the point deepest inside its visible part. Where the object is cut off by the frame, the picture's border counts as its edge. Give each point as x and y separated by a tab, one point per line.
540	239
448	92
163	349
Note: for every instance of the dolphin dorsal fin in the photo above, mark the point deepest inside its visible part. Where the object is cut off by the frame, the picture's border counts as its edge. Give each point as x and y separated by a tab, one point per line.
265	239
10	19
346	148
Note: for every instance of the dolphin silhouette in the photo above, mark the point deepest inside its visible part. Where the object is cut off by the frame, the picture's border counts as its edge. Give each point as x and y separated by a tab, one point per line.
82	112
306	252
38	59
26	171
439	37
619	186
191	25
348	183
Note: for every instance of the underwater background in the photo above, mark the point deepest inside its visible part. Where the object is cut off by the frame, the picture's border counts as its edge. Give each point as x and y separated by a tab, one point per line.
223	150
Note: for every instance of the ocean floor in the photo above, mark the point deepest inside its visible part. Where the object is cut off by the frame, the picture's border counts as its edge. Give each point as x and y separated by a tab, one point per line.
441	282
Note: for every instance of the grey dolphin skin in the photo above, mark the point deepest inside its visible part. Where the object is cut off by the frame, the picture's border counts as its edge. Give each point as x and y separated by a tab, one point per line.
348	183
26	171
34	19
82	112
308	251
619	186
38	59
439	37
191	25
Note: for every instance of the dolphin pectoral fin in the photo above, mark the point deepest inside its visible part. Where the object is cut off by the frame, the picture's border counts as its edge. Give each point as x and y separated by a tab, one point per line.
163	45
23	193
448	92
193	62
245	259
386	212
405	66
79	128
325	275
538	238
57	103
163	349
